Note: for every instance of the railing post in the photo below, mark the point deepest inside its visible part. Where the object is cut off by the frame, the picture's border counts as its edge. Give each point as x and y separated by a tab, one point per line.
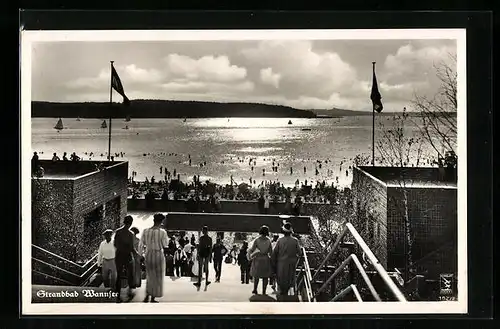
333	288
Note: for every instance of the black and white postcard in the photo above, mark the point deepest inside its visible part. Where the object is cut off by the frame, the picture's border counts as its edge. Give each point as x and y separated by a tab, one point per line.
231	172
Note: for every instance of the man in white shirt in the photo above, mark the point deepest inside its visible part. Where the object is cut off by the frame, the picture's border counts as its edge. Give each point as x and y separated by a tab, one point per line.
180	259
106	260
187	247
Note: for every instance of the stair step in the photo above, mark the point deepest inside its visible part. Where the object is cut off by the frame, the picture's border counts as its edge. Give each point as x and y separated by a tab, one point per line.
47	269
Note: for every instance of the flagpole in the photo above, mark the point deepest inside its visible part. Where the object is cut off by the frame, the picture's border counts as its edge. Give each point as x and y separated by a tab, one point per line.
110	109
373	127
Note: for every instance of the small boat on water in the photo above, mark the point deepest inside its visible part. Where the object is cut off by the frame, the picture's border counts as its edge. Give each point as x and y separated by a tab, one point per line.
289	122
78	119
104	124
59	125
306	129
126	127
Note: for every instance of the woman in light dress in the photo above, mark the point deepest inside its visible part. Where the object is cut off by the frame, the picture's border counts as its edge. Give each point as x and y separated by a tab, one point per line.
155	241
259	254
194	258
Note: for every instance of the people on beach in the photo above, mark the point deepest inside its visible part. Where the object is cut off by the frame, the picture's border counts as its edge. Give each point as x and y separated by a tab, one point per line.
35	163
266	204
152	246
55	157
74	157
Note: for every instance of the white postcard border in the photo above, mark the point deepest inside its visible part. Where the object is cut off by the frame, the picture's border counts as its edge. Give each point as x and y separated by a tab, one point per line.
29	308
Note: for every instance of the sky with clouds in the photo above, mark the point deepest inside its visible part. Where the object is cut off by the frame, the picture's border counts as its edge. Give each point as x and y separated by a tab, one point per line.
306	74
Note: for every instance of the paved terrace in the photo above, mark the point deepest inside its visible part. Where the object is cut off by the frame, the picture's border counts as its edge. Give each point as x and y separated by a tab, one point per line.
230	289
182	290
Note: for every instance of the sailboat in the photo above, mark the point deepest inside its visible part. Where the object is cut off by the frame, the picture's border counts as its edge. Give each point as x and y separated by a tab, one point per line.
289	122
103	124
59	125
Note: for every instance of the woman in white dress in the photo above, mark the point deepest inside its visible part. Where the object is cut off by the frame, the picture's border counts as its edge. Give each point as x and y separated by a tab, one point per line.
155	241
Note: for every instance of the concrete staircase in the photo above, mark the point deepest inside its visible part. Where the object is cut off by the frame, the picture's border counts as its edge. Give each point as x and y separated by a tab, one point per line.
230	289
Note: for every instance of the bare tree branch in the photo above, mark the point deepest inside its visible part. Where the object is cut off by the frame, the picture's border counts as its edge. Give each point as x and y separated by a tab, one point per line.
438	123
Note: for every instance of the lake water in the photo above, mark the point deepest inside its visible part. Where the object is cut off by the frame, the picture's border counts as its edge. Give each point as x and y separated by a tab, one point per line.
220	142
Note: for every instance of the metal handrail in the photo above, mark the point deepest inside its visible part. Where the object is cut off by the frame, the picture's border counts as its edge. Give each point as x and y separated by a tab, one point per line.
369	254
347	290
53	277
367	280
87	280
56	267
376	264
65	259
307	277
330	253
82	278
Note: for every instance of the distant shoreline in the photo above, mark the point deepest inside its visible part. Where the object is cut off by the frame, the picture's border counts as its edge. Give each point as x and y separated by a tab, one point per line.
165	109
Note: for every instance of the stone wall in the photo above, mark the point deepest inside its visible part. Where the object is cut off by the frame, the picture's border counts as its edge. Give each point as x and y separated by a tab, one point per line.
93	191
370	218
52	216
319	210
433	217
59	207
328	216
234	222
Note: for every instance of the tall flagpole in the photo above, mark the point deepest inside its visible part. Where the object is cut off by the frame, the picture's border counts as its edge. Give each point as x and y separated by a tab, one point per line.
110	110
373	126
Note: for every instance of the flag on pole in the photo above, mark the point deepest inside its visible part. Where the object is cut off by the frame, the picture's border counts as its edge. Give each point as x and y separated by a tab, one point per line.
375	95
116	83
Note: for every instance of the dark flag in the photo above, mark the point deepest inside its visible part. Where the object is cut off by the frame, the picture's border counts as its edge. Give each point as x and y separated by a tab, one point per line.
116	83
375	95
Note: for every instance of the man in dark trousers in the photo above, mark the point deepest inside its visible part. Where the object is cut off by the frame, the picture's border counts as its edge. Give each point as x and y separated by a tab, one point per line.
218	251
124	244
204	253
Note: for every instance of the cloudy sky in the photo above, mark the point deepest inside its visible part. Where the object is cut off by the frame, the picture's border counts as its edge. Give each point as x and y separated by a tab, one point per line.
306	74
